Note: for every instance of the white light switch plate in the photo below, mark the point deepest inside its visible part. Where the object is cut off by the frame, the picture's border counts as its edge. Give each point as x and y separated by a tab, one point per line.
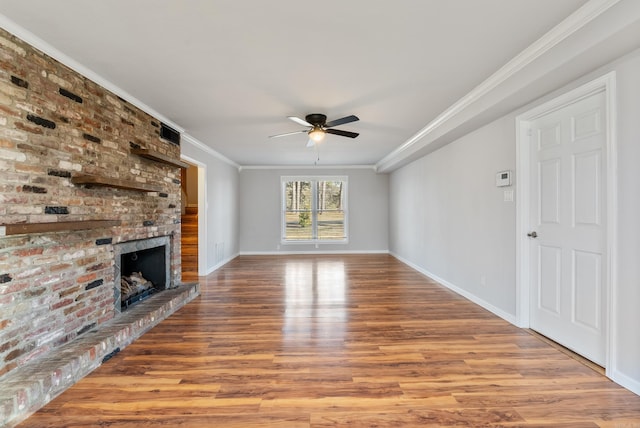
508	195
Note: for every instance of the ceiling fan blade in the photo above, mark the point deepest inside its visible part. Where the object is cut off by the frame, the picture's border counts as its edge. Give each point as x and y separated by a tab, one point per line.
341	121
342	133
311	143
288	133
299	121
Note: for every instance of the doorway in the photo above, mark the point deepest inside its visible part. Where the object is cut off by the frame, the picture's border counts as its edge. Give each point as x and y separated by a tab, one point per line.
566	219
189	224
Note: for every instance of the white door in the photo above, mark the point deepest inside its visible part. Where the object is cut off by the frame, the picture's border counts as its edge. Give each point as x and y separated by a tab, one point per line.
568	226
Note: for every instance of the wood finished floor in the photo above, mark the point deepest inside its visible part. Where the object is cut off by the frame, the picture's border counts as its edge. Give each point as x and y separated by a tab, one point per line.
319	341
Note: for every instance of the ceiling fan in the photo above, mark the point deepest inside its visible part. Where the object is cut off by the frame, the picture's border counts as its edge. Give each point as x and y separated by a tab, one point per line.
318	126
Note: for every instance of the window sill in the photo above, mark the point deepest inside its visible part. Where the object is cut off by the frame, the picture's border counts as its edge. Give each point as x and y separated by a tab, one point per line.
314	242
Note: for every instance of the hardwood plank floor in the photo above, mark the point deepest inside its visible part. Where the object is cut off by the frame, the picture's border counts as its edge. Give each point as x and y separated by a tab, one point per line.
319	341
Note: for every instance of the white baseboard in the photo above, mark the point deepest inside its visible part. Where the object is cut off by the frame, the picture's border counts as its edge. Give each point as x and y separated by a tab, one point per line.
620	378
625	381
469	296
272	253
289	253
222	263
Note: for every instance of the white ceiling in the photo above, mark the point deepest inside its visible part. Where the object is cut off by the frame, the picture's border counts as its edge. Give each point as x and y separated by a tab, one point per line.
229	72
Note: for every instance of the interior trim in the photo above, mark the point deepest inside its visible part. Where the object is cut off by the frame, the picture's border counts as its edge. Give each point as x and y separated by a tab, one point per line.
63	58
573	23
460	291
606	83
307	167
187	138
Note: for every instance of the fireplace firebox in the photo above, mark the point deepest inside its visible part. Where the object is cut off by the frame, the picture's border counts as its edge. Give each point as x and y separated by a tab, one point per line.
141	270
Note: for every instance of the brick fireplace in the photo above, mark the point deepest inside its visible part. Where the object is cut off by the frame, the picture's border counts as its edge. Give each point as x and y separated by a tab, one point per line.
83	174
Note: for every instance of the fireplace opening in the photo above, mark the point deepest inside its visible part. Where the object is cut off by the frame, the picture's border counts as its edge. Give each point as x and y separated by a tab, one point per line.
142	274
142	269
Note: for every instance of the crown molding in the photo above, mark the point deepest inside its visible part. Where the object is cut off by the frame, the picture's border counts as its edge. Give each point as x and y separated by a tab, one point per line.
200	145
61	57
306	167
569	26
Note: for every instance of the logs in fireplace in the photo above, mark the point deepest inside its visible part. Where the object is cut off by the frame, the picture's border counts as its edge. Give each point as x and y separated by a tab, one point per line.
133	288
141	269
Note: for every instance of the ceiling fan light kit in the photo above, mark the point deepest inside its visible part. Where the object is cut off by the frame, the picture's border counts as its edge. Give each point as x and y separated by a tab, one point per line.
317	134
319	127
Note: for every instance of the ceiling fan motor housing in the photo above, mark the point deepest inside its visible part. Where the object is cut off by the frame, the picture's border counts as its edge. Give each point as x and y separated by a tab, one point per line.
316	119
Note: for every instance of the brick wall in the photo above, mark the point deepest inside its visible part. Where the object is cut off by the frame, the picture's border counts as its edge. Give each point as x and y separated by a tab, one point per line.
54	124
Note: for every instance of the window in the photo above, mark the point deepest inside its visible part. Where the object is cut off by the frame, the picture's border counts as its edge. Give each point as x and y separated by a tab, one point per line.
314	209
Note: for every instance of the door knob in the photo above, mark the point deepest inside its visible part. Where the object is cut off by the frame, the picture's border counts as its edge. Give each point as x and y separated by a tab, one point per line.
532	234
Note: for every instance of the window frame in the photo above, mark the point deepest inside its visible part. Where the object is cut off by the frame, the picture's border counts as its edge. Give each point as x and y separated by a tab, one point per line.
313	179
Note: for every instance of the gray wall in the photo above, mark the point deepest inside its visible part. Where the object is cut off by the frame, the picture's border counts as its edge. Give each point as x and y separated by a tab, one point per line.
260	207
449	219
221	208
627	303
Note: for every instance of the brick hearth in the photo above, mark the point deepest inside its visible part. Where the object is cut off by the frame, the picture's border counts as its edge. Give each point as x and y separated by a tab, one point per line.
31	386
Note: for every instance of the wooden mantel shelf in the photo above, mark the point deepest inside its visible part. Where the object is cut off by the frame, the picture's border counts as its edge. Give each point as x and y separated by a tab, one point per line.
60	226
158	157
92	180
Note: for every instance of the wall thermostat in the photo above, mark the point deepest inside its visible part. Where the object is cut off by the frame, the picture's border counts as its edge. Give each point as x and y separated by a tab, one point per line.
503	178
